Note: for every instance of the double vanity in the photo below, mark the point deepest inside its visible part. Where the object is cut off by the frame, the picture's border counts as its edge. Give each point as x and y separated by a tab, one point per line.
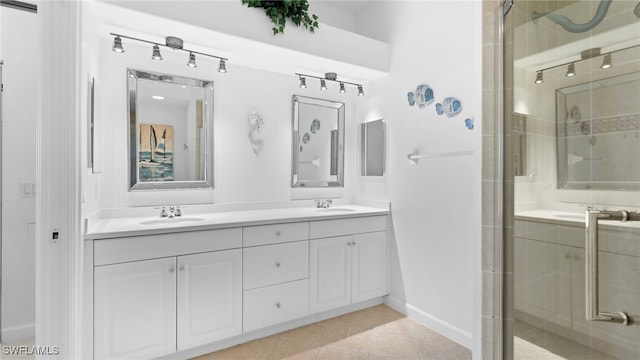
181	286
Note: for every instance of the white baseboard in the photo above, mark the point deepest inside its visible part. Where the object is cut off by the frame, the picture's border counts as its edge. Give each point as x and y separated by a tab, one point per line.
454	333
18	333
396	304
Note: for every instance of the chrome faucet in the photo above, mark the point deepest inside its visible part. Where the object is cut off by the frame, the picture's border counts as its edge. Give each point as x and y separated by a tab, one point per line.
173	212
323	203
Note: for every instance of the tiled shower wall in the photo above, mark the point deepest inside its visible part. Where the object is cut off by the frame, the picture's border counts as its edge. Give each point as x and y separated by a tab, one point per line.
492	267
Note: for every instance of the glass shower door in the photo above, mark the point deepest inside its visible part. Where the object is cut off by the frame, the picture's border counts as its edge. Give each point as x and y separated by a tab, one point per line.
572	179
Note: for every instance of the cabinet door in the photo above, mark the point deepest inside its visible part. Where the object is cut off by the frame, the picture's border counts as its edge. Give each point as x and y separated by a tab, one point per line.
209	297
135	309
369	254
330	273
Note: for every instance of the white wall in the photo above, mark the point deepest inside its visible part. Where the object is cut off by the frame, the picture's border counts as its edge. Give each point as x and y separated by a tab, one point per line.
436	203
19	51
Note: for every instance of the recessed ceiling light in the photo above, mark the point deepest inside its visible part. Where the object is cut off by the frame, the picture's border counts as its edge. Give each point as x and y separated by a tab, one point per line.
157	97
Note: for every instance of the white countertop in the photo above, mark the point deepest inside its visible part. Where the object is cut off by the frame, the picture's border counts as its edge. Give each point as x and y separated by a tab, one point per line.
573	218
113	227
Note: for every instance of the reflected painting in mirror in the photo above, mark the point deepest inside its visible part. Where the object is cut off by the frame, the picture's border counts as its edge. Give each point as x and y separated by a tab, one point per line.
170	131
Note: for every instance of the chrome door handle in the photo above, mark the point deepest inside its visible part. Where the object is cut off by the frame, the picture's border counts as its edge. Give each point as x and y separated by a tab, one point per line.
593	312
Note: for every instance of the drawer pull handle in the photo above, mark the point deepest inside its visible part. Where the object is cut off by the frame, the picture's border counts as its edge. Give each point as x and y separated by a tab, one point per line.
278	264
278	305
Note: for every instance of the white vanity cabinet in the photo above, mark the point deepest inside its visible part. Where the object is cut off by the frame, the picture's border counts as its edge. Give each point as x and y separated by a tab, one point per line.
209	297
164	295
145	308
276	274
348	261
135	309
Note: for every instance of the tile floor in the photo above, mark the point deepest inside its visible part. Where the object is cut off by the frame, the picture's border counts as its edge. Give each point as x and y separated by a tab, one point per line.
374	333
532	343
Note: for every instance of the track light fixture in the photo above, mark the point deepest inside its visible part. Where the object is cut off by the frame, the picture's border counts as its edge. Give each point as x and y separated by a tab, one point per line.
156	53
192	60
171	42
117	45
539	79
571	70
330	76
606	62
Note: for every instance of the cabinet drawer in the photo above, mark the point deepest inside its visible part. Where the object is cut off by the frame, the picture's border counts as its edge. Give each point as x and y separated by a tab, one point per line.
273	234
111	251
275	304
339	227
274	264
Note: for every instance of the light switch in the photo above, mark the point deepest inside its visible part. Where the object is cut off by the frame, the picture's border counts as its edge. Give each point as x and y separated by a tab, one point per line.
25	189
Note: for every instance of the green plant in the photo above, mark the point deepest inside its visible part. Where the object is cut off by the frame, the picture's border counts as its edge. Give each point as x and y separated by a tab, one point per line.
280	11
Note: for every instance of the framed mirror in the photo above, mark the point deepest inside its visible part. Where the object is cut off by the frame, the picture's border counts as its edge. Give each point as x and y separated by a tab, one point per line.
372	148
170	131
318	143
597	134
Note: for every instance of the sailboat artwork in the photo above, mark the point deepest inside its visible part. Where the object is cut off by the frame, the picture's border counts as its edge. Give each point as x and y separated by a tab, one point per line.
155	153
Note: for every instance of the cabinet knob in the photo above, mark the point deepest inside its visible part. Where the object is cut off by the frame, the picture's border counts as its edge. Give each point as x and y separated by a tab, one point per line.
181	268
353	243
278	305
277	263
172	269
278	233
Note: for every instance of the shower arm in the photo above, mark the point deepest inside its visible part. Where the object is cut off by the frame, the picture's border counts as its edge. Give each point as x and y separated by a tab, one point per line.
569	25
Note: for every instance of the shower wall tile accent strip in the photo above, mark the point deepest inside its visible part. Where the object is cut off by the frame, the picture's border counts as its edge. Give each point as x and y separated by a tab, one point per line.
608	125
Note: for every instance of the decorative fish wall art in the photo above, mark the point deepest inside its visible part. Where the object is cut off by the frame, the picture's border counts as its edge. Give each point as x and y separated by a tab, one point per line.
450	106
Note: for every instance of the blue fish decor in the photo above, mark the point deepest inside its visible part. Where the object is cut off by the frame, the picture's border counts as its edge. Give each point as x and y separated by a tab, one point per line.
450	106
468	122
315	125
411	98
423	96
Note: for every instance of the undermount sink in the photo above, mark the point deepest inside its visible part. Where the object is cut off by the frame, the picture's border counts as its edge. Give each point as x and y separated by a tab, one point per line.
335	209
172	220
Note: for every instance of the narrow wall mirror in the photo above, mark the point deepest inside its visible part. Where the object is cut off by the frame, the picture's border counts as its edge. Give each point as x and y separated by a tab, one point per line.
170	131
597	134
318	143
372	148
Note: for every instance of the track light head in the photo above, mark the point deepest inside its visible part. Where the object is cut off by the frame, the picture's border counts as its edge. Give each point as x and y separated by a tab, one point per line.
323	84
117	45
606	62
192	60
223	66
156	53
342	89
571	70
360	91
303	83
539	79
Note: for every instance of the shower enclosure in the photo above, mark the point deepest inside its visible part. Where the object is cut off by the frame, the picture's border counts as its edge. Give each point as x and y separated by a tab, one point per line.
571	179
